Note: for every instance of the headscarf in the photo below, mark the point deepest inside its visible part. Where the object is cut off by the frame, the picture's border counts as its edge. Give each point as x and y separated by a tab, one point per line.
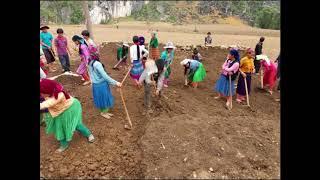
235	53
53	88
141	40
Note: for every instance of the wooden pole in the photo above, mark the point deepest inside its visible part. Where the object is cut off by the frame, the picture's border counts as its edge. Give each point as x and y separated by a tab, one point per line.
247	93
125	77
261	78
230	91
125	108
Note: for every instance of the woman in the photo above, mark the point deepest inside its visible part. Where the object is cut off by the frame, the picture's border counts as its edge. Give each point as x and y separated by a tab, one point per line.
102	96
193	71
155	53
122	54
84	56
246	70
269	72
167	55
229	70
65	113
136	55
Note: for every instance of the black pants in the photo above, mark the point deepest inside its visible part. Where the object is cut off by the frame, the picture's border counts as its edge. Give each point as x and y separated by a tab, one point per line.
257	65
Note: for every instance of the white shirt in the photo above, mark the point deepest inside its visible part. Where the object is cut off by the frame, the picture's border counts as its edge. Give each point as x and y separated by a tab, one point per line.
133	52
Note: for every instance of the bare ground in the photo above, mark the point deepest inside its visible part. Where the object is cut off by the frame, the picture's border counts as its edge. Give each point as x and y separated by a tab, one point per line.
187	134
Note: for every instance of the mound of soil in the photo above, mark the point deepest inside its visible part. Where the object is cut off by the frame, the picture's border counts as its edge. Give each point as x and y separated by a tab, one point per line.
189	134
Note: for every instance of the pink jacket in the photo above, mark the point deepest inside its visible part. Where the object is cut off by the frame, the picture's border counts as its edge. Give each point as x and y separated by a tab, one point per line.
229	71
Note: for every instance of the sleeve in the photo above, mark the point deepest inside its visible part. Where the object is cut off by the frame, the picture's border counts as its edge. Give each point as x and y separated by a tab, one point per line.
156	43
233	68
163	55
42	74
55	42
160	81
51	102
131	53
85	52
146	52
224	65
102	72
142	77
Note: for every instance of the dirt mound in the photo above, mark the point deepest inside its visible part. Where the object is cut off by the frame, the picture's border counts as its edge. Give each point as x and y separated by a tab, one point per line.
189	134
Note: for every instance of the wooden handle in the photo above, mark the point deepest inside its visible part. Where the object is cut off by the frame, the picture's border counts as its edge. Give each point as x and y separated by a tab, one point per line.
261	78
247	93
125	77
125	108
230	90
118	63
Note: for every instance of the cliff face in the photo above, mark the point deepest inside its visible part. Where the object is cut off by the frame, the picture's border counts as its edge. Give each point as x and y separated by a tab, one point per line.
103	10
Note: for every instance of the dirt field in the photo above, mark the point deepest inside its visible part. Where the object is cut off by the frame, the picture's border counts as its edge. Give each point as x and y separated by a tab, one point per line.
188	134
223	34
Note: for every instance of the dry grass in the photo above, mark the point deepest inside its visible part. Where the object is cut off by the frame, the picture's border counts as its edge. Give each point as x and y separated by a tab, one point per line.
223	34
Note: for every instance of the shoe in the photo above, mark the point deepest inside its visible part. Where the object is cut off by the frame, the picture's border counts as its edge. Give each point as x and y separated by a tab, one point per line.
165	85
86	83
217	97
105	115
91	138
61	149
239	101
228	106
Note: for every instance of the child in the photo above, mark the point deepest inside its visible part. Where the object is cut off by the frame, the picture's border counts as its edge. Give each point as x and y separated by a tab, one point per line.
136	59
93	48
167	55
269	72
246	69
102	96
208	39
65	113
193	71
229	69
61	44
122	54
46	39
146	80
196	55
258	51
154	46
85	56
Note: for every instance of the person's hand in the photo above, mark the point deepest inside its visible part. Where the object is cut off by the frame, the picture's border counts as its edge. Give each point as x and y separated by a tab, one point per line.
244	74
254	71
131	65
153	83
157	92
119	85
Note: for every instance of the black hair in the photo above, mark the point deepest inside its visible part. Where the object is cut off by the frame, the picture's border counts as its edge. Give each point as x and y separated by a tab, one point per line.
209	33
78	38
59	31
135	39
186	68
85	33
261	39
195	51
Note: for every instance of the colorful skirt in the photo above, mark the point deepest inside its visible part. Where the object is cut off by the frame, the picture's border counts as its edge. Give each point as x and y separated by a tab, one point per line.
136	70
198	75
49	56
270	77
241	88
102	96
82	69
64	125
155	53
222	86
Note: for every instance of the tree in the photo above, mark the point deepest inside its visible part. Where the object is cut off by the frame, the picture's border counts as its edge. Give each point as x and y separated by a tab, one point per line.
87	16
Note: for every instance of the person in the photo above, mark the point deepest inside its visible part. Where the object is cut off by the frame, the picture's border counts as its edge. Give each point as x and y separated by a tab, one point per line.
146	80
84	56
159	76
46	39
229	70
208	39
155	53
193	71
142	41
102	96
269	72
93	48
136	59
196	55
43	61
122	54
258	51
246	68
167	56
62	48
65	113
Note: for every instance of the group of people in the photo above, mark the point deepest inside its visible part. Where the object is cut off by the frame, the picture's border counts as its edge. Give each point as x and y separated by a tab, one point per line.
148	68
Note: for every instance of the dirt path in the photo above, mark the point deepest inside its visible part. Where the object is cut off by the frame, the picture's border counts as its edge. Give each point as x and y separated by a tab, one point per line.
185	136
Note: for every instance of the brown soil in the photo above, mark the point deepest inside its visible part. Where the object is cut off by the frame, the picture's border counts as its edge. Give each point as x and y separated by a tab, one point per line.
188	134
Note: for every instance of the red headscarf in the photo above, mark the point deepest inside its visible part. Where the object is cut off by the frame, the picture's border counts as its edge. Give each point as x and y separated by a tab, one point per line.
53	88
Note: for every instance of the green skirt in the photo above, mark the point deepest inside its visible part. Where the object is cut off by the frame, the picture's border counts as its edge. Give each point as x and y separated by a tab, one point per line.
198	75
65	124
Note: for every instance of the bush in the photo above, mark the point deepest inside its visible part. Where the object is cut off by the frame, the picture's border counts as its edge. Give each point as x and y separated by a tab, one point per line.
268	18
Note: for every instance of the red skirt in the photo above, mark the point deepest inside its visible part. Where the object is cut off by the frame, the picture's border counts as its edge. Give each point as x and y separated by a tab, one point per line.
155	53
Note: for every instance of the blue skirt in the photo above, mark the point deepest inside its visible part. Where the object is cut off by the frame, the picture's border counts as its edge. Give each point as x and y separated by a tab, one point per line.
102	96
222	86
136	70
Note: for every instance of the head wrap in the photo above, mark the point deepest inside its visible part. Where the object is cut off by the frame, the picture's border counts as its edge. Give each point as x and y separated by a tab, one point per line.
141	40
53	88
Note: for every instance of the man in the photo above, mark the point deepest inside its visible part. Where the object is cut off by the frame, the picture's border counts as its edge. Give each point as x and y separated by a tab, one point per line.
208	40
258	51
46	39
